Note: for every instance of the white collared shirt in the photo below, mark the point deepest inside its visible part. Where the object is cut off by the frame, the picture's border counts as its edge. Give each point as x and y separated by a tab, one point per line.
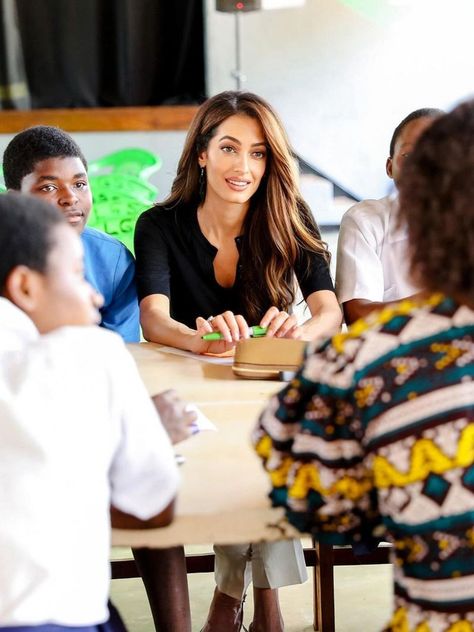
372	254
78	432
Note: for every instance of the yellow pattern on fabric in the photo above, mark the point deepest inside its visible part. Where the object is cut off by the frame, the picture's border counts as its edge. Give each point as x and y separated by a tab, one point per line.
470	536
382	317
426	458
307	479
351	488
423	627
399	622
466	447
415	550
461	626
451	354
362	395
264	447
278	475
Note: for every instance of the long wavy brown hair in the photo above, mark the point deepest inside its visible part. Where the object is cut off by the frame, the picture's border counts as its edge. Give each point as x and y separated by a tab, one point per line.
279	229
437	203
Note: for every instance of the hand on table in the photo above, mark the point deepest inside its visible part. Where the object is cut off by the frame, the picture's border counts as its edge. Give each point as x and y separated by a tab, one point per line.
280	324
232	327
174	416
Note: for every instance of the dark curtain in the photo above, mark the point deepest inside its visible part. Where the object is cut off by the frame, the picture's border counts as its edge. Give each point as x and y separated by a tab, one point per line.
92	53
13	86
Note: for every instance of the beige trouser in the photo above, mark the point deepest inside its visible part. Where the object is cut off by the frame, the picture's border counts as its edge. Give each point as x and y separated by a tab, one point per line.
266	564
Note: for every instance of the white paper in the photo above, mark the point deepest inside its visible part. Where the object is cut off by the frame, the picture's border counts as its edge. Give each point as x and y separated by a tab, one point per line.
202	422
227	360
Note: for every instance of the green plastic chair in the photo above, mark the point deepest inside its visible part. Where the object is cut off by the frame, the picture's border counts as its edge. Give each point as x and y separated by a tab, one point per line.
121	191
135	162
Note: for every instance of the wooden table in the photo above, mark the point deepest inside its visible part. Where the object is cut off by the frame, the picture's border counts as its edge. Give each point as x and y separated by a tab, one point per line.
223	495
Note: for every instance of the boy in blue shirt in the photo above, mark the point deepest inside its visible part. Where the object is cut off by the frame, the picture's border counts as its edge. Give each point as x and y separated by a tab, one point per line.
46	162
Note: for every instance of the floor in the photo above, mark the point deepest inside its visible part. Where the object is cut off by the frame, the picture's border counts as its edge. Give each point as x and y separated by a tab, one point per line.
363	599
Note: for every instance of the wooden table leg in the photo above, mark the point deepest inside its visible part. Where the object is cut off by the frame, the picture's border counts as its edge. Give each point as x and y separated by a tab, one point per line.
324	615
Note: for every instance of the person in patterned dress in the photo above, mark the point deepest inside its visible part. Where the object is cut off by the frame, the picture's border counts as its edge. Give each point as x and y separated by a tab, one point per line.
375	434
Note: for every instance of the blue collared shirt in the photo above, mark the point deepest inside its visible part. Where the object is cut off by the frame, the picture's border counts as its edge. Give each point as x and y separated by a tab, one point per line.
110	269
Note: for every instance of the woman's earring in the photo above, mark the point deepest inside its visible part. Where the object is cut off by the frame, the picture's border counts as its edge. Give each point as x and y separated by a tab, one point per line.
202	183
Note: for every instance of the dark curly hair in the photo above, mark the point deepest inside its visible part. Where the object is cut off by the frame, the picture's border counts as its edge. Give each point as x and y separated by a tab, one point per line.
413	116
33	145
437	204
26	233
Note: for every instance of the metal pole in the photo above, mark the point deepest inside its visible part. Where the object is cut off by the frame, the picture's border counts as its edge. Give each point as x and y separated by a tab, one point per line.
237	73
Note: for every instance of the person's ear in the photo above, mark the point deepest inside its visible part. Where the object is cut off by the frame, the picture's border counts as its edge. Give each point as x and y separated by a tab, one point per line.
388	167
202	158
22	288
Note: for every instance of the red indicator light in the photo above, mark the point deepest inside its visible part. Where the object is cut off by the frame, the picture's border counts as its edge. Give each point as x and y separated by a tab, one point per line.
239	5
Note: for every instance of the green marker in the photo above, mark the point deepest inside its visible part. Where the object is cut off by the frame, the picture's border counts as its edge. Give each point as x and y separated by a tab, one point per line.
255	332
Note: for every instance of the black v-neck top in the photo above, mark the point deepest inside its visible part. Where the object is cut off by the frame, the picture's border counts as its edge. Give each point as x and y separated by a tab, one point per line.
174	258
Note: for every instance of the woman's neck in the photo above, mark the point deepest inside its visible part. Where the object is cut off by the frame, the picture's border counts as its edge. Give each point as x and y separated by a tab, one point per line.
220	221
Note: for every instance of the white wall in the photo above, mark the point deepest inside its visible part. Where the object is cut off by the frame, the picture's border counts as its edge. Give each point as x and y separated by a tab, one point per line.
342	80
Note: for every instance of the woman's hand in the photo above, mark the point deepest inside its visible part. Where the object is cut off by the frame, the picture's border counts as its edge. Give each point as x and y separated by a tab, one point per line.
232	327
174	415
280	324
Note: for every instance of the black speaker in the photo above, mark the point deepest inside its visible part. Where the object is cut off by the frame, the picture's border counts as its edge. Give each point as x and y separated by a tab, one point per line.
231	6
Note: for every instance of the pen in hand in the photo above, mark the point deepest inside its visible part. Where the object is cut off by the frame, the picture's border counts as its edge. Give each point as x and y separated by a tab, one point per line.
255	332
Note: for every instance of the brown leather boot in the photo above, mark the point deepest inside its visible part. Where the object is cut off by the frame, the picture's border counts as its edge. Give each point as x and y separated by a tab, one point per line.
225	614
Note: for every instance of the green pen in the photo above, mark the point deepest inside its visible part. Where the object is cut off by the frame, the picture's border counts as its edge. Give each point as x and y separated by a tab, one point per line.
255	332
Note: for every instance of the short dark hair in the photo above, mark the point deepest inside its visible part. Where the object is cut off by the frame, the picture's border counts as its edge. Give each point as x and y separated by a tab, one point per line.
416	114
33	145
437	204
26	233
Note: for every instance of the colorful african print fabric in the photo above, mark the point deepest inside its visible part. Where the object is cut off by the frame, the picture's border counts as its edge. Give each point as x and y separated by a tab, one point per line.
375	437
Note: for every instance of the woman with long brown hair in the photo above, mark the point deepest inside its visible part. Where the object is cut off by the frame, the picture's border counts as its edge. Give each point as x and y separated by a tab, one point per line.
225	251
231	236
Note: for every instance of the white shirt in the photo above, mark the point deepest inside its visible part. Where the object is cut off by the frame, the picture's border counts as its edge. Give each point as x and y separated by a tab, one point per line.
372	253
78	432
